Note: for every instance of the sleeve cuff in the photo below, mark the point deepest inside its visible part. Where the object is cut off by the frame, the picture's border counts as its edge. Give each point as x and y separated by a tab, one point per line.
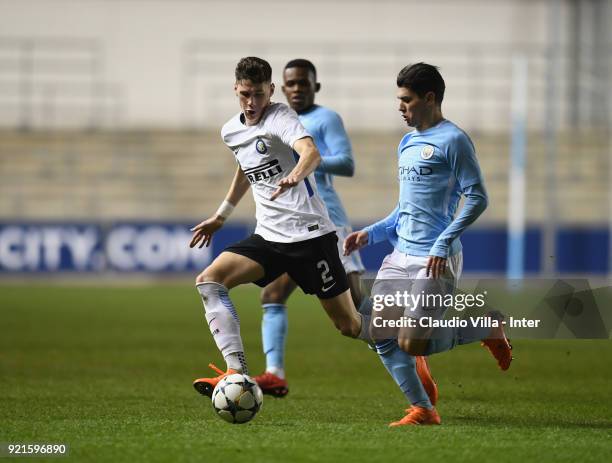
370	231
439	250
376	233
299	137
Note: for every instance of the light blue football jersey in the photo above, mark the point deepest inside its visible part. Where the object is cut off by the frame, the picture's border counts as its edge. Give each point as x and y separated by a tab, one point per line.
434	167
329	135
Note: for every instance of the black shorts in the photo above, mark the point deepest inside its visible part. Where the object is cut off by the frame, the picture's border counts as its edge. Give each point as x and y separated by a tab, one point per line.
313	264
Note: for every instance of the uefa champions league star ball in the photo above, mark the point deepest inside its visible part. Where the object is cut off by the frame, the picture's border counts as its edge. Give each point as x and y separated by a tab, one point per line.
237	398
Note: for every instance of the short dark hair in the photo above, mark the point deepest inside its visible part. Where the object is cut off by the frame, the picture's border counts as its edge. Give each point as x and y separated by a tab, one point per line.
302	63
254	69
422	78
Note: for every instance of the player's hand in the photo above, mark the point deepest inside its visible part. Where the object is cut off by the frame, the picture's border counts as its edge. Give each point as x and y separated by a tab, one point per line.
288	182
204	230
436	266
355	241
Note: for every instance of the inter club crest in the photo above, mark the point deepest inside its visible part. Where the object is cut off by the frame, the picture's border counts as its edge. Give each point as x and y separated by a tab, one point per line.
260	146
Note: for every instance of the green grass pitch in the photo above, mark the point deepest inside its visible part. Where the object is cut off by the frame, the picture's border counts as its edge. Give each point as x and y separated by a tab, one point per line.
109	370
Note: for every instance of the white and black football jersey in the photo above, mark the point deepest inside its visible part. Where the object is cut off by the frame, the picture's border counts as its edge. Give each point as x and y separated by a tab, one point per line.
265	155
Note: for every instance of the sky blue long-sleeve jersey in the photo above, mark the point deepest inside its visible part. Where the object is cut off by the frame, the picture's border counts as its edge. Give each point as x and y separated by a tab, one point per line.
329	135
435	167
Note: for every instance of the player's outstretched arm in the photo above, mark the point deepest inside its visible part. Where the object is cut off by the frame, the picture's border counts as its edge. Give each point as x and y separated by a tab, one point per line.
308	162
371	234
378	232
202	233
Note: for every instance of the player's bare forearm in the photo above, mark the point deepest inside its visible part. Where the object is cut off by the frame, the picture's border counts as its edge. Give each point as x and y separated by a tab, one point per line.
202	233
308	162
309	159
240	185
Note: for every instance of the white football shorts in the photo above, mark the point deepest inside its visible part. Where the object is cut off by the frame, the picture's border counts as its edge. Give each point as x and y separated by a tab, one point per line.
403	272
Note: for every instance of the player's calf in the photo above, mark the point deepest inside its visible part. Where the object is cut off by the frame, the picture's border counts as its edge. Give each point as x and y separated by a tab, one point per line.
346	318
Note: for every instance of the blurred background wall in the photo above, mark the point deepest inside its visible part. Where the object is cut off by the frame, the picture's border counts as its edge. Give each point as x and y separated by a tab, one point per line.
110	114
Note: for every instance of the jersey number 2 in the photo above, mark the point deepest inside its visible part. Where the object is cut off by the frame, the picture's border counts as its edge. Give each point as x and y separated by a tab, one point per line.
324	267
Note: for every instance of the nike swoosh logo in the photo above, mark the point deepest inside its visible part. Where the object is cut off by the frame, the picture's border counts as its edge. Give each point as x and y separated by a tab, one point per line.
329	287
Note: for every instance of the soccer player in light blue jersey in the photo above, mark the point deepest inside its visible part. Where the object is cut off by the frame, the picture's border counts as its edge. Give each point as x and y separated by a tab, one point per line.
436	166
326	127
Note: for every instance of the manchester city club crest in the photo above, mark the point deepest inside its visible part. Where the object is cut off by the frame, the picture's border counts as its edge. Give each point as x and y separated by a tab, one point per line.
260	146
427	152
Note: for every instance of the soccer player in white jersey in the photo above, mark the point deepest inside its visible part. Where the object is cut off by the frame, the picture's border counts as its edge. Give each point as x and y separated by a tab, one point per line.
327	130
276	157
436	166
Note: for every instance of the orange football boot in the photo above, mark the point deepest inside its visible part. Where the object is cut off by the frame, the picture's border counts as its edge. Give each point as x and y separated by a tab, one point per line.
418	416
206	386
272	385
498	344
422	369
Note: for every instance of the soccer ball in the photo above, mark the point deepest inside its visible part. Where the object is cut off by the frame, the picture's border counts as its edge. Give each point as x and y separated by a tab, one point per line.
237	398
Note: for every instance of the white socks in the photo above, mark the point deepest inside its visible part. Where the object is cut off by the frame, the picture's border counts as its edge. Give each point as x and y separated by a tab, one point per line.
236	361
224	324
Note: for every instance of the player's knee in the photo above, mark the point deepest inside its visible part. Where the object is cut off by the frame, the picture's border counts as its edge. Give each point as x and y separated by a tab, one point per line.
411	346
272	296
344	329
209	276
348	327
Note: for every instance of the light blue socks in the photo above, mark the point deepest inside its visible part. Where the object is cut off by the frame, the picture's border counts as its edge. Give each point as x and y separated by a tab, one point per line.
402	368
274	333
